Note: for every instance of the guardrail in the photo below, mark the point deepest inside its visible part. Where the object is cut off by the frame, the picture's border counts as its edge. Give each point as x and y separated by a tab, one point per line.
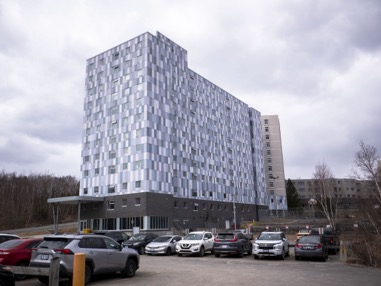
53	271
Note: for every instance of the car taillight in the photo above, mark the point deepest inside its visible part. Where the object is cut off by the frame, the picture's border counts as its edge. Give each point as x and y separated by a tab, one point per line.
234	239
63	251
297	245
4	253
318	246
216	239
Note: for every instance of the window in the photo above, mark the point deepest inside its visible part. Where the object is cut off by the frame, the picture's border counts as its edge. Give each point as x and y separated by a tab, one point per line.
96	190
138	184
266	129
138	165
137	201
112	155
194	193
124	186
266	121
175	204
195	207
111	189
111	169
110	205
185	205
85	191
96	171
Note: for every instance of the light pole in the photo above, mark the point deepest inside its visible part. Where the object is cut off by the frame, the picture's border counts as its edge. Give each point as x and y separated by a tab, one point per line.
234	217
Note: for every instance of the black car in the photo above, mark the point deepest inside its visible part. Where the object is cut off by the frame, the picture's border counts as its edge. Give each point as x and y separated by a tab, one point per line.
118	235
235	243
6	276
139	241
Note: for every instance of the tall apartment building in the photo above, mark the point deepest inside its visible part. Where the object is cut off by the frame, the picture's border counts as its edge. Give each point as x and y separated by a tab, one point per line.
163	147
273	162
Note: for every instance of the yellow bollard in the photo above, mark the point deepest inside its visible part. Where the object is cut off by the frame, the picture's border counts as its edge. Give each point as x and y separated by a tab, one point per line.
79	269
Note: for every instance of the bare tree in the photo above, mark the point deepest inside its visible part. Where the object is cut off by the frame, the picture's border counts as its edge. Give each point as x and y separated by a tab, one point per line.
324	192
368	163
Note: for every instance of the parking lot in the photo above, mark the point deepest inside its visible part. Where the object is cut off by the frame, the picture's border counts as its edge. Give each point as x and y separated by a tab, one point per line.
209	270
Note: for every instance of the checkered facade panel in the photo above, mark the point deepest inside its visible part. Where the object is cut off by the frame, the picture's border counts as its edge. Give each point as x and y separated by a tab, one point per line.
151	124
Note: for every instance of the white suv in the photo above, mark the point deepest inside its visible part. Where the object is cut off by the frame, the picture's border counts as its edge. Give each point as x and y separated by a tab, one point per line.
271	244
195	242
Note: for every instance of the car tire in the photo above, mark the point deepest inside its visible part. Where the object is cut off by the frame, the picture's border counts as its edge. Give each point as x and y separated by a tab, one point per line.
130	268
250	251
179	254
88	273
288	252
168	252
281	257
241	253
43	279
217	255
297	258
256	256
201	252
142	250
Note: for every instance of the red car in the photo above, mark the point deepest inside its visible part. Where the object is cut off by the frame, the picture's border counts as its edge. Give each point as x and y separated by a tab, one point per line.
17	252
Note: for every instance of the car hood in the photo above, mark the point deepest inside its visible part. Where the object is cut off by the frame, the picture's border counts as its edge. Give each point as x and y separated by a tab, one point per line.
189	241
270	242
157	244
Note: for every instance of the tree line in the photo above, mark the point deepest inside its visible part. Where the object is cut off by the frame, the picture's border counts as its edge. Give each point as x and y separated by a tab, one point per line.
23	199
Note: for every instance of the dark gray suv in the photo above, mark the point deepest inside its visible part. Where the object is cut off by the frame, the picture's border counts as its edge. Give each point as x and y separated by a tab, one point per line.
103	255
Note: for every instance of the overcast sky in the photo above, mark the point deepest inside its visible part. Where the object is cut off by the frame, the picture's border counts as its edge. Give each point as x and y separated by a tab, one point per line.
316	64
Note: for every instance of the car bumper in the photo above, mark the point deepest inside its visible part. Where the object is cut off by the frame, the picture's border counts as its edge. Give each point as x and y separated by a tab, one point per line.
188	250
231	250
267	252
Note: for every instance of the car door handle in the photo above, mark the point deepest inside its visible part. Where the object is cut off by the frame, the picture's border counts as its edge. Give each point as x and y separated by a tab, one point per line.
91	252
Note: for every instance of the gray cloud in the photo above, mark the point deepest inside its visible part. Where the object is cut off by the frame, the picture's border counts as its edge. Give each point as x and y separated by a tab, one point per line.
315	64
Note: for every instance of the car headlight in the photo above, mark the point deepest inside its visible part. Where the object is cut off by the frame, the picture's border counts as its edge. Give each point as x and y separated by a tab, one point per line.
136	243
195	244
278	246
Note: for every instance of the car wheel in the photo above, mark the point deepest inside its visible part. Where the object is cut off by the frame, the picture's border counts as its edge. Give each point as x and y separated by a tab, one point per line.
43	279
241	253
216	254
179	254
168	252
202	252
288	252
256	256
282	255
324	259
130	268
21	276
297	258
250	251
142	250
88	273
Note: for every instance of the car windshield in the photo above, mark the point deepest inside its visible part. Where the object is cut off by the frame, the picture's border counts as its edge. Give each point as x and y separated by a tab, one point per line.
162	239
269	236
309	239
139	237
193	236
9	244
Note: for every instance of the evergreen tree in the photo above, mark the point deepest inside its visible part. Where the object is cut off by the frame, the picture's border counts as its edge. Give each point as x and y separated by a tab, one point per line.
293	199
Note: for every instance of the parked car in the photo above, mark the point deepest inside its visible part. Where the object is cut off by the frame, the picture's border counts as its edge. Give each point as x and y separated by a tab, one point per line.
235	243
164	244
311	246
196	242
6	276
118	235
330	237
139	241
7	236
302	232
103	255
17	252
271	244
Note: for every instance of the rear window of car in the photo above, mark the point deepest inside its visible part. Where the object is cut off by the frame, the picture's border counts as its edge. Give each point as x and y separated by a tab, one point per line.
225	236
54	243
9	244
309	239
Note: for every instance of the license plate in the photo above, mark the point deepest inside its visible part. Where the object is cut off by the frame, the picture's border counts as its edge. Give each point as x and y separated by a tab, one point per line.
44	257
265	251
224	246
